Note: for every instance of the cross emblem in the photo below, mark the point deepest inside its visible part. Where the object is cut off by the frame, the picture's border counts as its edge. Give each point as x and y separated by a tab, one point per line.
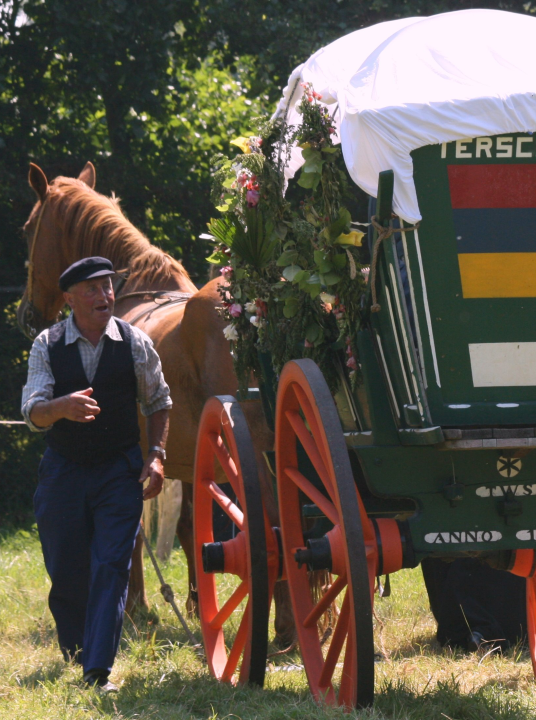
509	466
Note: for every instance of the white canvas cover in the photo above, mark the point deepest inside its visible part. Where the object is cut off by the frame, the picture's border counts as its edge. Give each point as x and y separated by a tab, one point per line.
400	85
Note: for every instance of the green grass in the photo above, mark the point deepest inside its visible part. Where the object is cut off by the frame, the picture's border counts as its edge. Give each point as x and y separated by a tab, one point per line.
161	678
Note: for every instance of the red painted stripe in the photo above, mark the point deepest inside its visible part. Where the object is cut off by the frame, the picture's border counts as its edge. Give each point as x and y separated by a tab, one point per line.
492	186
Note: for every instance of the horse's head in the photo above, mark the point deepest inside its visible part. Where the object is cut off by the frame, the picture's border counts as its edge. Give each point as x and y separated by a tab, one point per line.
43	300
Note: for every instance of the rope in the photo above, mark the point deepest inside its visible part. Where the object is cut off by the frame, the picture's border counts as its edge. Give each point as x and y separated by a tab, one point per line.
168	593
383	233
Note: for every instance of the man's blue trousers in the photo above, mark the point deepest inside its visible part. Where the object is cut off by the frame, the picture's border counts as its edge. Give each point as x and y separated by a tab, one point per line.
88	518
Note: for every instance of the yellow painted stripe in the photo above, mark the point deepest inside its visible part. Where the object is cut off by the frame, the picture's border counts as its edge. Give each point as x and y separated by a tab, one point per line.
498	275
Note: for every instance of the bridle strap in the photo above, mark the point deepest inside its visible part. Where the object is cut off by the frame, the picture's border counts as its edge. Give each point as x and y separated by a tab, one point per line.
29	284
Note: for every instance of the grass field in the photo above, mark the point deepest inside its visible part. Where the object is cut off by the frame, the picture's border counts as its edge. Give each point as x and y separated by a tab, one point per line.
161	678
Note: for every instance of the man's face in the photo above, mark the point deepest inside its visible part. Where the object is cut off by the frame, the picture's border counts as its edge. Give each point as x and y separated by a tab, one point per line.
92	302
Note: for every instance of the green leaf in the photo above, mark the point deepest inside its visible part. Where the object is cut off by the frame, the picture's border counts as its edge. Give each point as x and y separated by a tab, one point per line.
313	161
340	224
330	149
229	182
240	273
319	256
287	258
218	258
314	279
290	272
339	261
291	308
300	276
314	290
312	332
237	292
331	278
325	266
309	181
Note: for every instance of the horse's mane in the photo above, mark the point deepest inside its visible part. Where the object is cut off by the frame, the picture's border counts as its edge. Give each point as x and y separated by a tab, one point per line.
98	227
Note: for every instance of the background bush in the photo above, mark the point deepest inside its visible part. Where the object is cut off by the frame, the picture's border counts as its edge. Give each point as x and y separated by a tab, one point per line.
147	90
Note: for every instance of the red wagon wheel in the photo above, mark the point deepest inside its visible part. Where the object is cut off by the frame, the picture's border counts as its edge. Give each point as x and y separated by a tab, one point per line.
306	415
237	626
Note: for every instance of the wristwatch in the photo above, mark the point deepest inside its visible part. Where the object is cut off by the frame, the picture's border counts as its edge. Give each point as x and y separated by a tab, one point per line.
159	450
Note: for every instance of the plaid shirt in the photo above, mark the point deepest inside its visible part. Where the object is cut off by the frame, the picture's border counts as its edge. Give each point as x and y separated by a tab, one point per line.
152	392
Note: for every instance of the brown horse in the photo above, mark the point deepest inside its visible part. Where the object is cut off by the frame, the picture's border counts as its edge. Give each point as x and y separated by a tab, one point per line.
70	221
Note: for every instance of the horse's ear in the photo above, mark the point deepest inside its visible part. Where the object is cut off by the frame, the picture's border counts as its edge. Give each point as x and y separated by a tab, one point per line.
88	175
37	179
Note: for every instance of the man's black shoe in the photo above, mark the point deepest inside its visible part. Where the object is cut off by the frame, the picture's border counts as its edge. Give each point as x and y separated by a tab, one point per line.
100	683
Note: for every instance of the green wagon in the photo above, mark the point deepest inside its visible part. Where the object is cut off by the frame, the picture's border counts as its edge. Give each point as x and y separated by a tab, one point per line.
432	456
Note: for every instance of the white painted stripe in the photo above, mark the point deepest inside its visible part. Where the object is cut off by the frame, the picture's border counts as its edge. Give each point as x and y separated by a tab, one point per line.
510	364
427	309
415	315
395	333
405	338
393	396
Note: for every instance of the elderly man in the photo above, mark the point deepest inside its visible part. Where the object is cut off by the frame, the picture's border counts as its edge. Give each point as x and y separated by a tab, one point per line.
85	375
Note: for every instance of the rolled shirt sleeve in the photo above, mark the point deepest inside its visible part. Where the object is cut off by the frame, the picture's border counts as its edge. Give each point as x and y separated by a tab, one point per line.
40	383
153	391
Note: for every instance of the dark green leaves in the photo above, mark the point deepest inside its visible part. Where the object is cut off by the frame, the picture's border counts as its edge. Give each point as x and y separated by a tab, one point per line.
255	244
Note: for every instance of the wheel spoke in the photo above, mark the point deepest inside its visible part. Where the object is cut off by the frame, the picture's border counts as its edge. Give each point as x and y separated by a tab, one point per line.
226	504
238	647
322	502
347	689
230	606
310	447
310	417
341	630
531	620
325	601
226	461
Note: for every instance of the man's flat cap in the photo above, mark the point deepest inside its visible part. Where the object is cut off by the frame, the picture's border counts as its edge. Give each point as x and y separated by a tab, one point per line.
85	269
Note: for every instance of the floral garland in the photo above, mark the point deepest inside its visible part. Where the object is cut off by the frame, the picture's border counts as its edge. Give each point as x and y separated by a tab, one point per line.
294	281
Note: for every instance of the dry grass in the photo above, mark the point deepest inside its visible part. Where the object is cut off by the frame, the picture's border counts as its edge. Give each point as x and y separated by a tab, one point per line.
162	678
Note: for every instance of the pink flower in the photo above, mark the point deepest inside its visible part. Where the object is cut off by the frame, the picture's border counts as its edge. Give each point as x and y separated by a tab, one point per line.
307	343
351	363
252	197
227	272
235	310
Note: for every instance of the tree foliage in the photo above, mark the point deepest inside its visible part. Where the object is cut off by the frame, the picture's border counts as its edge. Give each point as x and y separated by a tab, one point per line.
148	90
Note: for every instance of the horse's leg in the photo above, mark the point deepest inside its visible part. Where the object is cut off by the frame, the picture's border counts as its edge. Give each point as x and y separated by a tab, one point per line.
263	440
137	597
185	533
169	507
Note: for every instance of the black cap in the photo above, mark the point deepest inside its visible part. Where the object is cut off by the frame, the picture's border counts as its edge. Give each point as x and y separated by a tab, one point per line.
85	269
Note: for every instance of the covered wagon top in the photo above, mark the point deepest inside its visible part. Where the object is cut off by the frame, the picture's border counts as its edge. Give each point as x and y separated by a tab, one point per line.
400	85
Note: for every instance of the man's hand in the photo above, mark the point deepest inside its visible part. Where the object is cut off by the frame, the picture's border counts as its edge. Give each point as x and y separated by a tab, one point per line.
78	407
154	470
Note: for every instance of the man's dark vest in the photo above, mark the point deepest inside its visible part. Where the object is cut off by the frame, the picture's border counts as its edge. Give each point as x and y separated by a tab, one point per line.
116	427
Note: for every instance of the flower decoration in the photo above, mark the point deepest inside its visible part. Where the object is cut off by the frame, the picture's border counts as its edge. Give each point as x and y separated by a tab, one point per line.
291	268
